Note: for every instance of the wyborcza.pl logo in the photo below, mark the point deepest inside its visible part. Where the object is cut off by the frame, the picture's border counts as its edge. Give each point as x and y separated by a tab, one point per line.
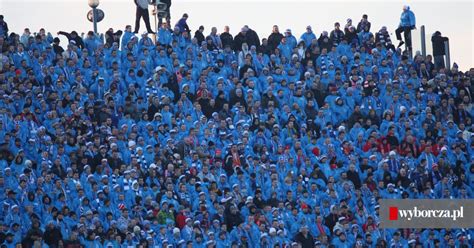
426	213
410	214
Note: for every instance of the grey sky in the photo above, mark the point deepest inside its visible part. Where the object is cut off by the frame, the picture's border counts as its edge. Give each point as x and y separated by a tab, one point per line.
454	19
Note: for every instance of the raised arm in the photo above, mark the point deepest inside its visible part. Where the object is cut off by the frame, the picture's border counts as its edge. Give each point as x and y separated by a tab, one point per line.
68	35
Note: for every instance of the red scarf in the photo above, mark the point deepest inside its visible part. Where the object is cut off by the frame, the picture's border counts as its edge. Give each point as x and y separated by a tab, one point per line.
321	229
235	159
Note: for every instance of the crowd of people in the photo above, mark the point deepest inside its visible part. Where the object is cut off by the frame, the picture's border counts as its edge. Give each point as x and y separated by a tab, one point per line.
222	141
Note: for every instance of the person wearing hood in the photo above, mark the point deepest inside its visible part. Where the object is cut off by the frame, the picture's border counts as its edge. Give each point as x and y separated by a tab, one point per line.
407	23
285	48
340	111
308	36
290	39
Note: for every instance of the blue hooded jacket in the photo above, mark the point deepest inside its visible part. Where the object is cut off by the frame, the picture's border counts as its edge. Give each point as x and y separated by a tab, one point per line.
407	19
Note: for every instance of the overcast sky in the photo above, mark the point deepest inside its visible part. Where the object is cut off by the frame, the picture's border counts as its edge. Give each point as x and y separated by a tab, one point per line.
454	19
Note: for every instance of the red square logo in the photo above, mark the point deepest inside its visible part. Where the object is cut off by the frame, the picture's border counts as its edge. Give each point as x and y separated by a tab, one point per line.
393	213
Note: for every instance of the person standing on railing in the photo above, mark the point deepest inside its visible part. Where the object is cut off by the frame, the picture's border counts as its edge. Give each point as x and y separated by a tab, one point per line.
407	23
438	49
142	11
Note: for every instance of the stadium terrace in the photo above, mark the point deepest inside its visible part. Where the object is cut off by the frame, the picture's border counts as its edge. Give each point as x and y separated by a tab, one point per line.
206	139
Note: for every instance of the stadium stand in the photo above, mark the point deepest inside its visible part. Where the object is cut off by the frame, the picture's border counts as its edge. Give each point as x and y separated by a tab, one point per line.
121	141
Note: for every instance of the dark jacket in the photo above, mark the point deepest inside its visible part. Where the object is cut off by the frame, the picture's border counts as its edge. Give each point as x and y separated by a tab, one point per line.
77	39
239	40
111	37
58	49
274	40
253	39
350	36
306	242
183	25
227	39
438	44
52	236
4	29
325	42
232	220
383	37
336	36
199	36
265	49
354	178
362	25
115	163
